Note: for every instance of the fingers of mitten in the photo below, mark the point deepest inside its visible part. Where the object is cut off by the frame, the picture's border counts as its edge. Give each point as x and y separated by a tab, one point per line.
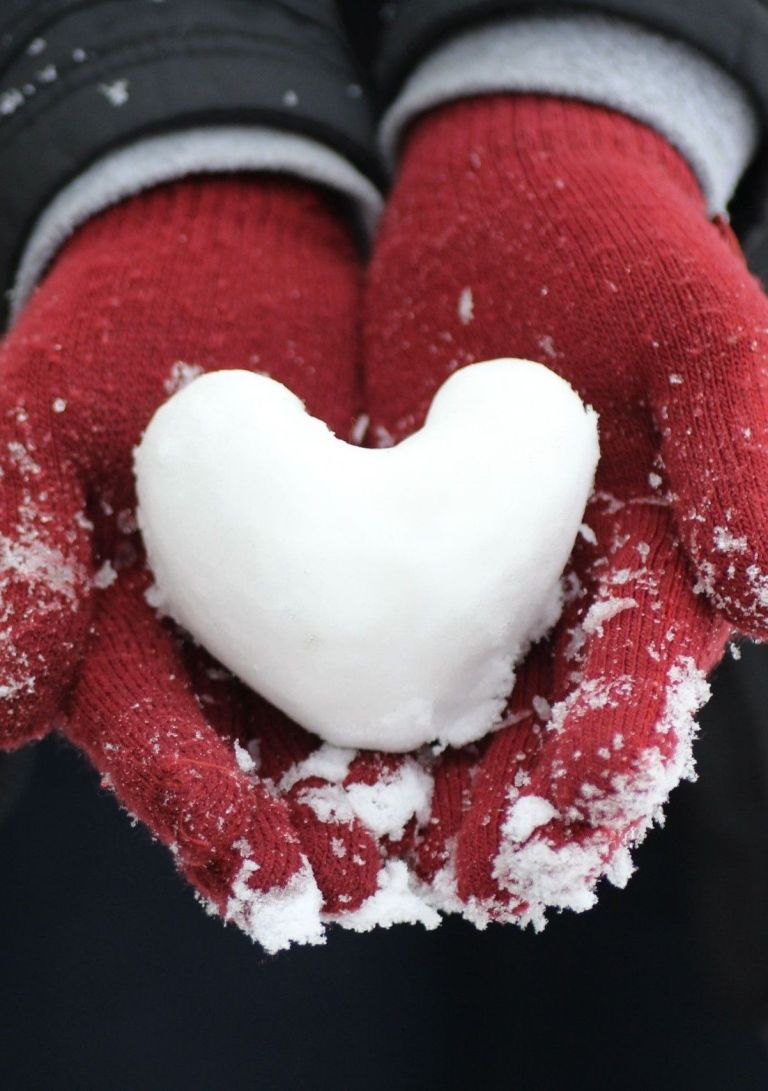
358	815
136	718
363	807
44	575
344	857
434	845
256	272
711	408
601	751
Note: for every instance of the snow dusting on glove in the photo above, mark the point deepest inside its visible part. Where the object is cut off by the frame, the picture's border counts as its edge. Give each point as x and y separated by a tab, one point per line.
249	273
575	236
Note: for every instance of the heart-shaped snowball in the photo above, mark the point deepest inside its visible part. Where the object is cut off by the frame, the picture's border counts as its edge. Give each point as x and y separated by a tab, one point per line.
381	598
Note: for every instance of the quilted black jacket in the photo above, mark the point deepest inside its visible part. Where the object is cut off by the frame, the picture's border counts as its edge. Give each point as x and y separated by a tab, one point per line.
295	64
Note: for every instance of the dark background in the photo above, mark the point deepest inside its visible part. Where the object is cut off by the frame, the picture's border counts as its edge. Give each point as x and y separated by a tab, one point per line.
112	976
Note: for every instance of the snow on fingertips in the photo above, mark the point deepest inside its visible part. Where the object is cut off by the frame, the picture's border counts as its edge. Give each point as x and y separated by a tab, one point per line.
397	900
44	578
714	431
280	917
380	598
559	869
385	806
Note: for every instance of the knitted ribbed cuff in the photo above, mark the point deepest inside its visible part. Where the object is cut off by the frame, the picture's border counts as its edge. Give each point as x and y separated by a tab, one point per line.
668	85
171	156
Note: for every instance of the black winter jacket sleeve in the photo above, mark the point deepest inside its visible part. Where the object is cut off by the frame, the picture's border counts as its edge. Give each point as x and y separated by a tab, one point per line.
79	78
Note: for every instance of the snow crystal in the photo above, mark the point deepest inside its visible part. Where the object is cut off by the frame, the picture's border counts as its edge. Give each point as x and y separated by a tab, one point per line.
547	346
49	74
359	428
525	815
290	98
155	598
466	307
593	693
40	564
541	707
244	759
12	687
59	405
620	869
79	55
22	459
382	437
343	584
181	375
278	917
105	576
126	521
10	101
603	610
116	92
726	542
36	47
758	583
254	752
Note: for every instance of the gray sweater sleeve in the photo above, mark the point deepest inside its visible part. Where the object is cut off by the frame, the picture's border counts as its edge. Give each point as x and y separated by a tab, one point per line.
666	84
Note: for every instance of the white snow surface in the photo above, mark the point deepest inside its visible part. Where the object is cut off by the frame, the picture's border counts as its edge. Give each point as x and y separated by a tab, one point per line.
279	917
329	762
381	598
396	901
385	807
525	815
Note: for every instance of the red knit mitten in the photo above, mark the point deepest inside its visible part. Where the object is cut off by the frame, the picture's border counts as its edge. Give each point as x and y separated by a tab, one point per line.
203	274
569	234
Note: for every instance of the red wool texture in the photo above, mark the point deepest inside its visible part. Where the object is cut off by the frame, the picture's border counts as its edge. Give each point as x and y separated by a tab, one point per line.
239	272
571	235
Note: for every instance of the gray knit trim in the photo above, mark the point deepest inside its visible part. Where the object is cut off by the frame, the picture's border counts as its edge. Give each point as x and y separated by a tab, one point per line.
169	156
667	85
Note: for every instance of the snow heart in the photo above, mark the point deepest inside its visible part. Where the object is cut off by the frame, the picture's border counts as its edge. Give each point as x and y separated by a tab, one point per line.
381	598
